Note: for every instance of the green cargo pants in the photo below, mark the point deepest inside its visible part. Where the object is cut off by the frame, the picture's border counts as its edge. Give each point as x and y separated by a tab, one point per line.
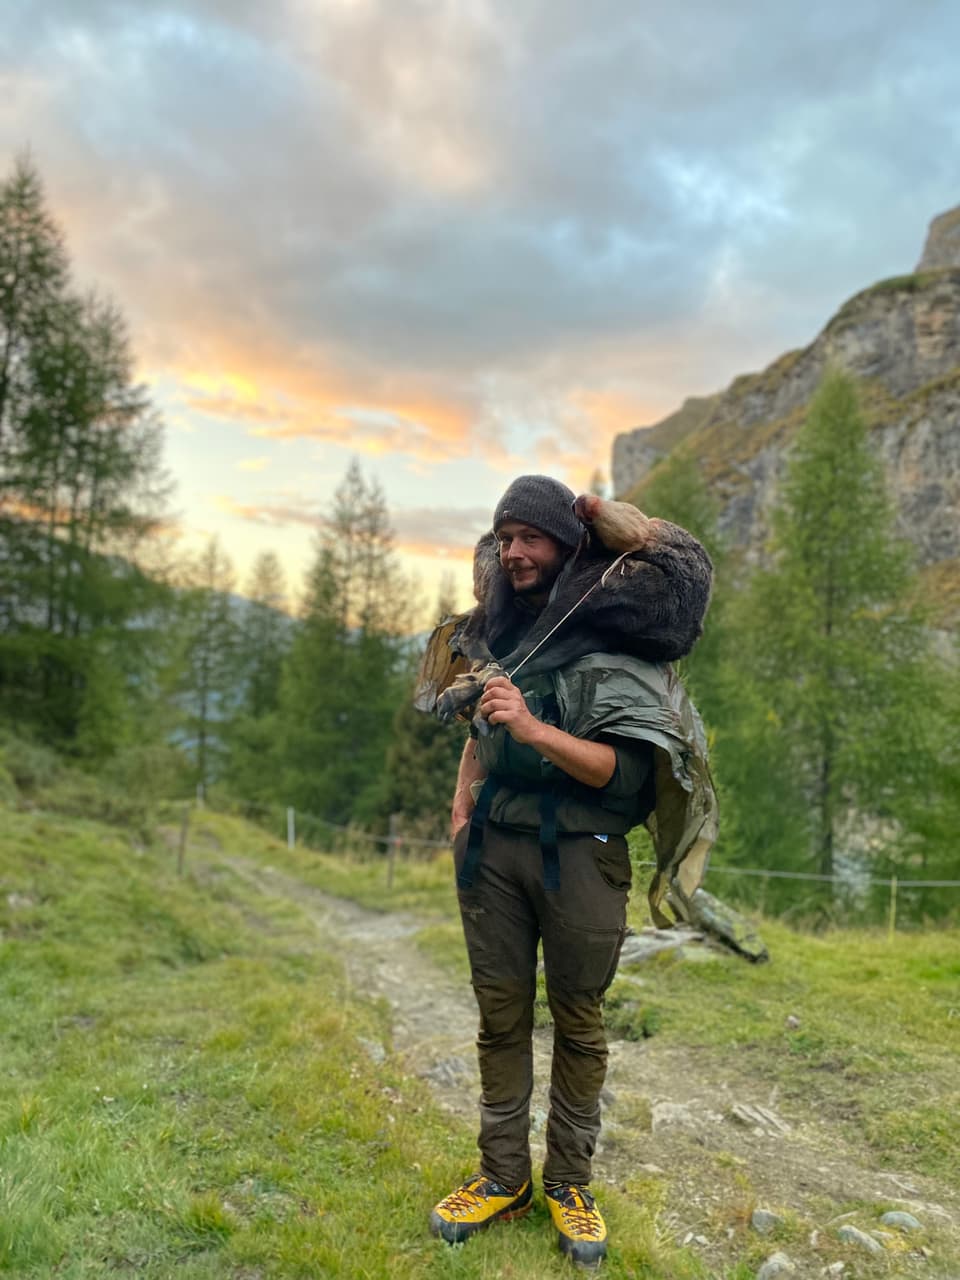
505	915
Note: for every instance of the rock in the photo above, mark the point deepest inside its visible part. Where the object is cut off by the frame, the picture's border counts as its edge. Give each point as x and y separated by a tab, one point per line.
373	1049
764	1222
834	1269
699	954
672	1115
792	1022
902	1221
755	1118
778	1264
731	928
942	248
853	1235
640	947
902	335
448	1072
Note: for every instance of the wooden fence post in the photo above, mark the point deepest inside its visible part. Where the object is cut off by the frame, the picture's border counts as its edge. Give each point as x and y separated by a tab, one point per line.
892	920
182	848
393	839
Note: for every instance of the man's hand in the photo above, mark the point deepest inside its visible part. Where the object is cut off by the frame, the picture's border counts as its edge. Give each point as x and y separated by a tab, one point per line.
590	762
503	703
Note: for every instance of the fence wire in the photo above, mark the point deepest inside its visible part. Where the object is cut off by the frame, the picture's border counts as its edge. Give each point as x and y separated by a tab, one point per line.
410	842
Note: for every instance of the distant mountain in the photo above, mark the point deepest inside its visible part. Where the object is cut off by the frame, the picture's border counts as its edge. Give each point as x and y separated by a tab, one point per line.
901	340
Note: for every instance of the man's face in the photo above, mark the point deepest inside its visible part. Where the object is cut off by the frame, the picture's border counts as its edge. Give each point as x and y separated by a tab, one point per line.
530	558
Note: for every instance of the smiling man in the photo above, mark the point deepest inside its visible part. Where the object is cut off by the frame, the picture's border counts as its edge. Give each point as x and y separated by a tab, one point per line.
559	769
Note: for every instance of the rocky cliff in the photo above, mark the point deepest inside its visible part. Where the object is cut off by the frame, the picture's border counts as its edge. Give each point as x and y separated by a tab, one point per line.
901	340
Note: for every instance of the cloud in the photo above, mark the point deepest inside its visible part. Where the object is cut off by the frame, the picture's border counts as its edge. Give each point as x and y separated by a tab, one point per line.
253	464
482	229
275	514
443	532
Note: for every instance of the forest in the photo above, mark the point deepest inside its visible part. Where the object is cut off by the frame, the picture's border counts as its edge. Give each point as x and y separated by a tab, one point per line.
830	695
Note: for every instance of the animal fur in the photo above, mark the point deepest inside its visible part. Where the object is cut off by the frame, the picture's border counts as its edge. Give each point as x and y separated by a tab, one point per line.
652	605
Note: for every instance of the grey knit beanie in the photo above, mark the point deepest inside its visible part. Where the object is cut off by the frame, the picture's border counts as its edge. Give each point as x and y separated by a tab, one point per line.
544	503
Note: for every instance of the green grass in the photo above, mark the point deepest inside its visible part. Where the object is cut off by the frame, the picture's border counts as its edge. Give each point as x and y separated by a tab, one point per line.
877	1014
184	1090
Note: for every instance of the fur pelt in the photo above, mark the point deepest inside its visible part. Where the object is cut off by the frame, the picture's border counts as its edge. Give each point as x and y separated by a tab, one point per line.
651	607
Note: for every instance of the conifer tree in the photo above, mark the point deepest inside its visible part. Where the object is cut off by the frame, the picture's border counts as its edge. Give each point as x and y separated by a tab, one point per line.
33	278
423	756
834	660
80	489
345	674
209	677
675	490
263	636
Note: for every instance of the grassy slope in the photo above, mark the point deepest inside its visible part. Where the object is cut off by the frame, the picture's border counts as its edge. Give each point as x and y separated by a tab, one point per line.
183	1085
183	1089
879	1038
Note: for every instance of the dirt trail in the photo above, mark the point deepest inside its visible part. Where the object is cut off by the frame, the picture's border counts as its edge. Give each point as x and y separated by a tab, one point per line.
667	1111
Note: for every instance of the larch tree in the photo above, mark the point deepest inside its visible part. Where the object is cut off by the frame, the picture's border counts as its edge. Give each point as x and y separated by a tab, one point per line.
675	490
423	755
208	677
345	673
264	633
834	660
80	489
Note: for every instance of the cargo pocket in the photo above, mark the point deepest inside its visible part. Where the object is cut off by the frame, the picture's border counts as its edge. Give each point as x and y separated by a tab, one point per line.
582	959
612	860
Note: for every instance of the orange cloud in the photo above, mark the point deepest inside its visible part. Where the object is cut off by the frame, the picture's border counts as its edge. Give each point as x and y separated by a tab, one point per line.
283	396
443	533
269	513
431	551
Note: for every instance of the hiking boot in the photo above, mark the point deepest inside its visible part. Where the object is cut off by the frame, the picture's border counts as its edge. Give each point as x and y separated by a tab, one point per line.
475	1205
583	1233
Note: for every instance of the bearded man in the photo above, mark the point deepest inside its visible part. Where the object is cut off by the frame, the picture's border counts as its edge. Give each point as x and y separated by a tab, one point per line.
594	737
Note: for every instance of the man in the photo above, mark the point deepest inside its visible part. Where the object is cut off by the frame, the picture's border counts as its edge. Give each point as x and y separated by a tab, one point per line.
559	768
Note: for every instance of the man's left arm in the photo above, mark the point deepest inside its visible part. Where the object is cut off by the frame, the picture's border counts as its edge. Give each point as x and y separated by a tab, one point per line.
592	763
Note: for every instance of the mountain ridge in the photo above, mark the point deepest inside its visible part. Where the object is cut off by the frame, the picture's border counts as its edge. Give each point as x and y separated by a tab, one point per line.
900	338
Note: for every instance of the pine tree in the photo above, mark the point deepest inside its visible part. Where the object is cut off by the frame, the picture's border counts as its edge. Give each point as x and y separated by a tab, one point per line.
344	677
263	634
33	278
209	679
423	756
834	660
675	490
80	490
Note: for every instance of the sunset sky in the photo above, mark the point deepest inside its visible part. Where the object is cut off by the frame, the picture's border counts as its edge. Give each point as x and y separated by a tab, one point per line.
470	239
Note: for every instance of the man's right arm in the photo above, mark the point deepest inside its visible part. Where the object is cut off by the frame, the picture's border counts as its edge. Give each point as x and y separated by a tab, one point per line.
470	771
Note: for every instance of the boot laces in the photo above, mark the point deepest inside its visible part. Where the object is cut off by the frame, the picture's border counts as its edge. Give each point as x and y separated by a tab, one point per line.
580	1214
468	1197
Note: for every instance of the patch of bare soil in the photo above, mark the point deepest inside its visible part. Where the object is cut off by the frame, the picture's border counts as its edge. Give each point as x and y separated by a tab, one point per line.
690	1118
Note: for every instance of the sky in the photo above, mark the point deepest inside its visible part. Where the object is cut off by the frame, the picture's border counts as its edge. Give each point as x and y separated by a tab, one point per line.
461	240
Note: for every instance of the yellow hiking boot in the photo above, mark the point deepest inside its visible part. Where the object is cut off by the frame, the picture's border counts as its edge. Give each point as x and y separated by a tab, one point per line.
475	1205
583	1233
